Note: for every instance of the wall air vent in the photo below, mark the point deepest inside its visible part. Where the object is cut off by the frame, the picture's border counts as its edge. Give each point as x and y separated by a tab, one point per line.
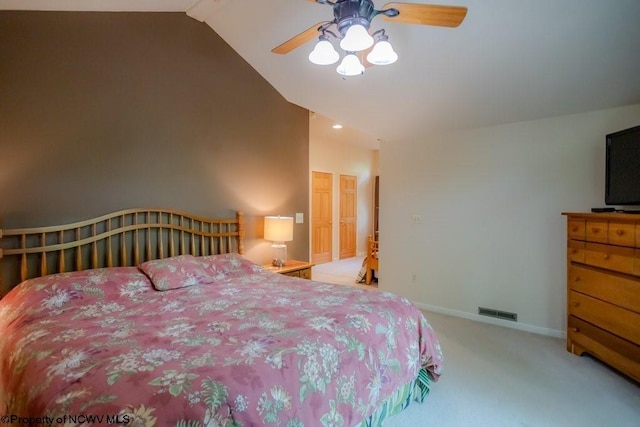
491	312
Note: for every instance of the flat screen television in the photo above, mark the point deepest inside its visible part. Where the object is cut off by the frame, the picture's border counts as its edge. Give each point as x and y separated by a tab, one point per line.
622	170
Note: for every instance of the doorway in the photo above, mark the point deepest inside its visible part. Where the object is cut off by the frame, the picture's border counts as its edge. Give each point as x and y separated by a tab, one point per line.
376	207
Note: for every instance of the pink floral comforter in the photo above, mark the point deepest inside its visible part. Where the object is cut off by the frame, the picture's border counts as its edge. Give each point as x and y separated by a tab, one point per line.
228	343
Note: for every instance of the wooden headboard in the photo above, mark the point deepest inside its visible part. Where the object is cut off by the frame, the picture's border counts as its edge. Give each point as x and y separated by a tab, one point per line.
124	238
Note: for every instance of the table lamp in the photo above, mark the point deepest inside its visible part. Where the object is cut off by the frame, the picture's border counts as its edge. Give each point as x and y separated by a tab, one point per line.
278	229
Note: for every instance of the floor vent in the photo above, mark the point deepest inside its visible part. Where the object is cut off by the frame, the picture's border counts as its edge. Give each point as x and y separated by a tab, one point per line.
498	314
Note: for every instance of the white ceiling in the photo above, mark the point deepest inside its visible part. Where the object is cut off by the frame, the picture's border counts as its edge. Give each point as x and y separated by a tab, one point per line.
509	61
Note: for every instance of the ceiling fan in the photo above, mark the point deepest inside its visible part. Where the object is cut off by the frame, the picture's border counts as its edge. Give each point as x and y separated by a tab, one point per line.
351	26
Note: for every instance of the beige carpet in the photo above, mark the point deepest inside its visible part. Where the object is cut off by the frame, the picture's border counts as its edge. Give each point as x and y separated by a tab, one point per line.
496	376
343	272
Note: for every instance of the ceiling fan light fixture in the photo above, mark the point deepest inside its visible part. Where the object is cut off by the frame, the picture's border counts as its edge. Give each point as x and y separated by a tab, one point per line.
350	65
382	54
324	53
356	38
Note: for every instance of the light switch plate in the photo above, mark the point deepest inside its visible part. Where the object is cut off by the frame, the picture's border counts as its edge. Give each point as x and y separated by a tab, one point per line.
299	218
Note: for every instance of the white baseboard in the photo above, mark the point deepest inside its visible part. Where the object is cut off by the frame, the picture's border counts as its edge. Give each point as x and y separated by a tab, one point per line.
483	319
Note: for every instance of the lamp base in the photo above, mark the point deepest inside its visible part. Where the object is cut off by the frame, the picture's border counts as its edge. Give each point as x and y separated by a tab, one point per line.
279	255
278	263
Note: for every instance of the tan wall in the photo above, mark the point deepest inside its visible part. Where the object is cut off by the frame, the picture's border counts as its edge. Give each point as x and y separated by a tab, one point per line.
106	111
492	234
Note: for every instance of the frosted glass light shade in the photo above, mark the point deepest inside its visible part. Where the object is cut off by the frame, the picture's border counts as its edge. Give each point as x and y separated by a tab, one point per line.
324	53
382	54
357	38
350	66
278	228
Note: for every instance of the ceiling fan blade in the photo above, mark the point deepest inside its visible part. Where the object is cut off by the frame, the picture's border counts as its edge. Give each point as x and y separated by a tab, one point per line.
427	14
298	40
362	55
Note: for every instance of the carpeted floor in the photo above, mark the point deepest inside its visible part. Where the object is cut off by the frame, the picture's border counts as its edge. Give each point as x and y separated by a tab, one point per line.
496	376
343	272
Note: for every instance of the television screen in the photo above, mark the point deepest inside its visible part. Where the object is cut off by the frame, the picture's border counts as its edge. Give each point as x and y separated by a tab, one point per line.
622	182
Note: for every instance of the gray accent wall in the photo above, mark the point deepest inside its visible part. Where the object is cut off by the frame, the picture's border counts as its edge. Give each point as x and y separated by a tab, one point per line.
106	111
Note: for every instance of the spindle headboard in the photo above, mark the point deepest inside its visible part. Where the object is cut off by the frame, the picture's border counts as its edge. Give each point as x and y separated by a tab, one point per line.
124	238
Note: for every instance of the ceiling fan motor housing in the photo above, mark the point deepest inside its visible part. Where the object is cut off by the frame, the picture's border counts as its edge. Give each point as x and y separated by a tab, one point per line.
350	12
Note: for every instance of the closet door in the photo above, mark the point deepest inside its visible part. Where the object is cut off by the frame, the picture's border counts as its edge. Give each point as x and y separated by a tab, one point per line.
321	214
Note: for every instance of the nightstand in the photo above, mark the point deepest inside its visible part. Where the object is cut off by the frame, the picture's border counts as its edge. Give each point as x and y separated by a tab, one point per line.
293	268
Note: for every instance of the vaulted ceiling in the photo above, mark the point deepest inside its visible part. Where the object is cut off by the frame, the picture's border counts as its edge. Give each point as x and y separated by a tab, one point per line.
508	61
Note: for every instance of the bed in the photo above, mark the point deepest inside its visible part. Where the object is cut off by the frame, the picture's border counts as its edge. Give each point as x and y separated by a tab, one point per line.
154	317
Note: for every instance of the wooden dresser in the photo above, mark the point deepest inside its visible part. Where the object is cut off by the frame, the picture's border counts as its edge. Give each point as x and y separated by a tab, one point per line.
603	288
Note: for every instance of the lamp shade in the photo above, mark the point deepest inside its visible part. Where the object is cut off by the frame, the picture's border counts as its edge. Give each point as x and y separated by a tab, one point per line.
278	228
356	39
350	66
324	53
382	54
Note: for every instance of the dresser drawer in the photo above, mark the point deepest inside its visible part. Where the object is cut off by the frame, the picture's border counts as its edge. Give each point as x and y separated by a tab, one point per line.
576	229
621	234
575	251
615	289
622	354
596	231
616	258
306	273
619	321
292	274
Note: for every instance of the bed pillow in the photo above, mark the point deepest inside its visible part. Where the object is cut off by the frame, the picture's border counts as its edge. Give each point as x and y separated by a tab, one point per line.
231	264
177	272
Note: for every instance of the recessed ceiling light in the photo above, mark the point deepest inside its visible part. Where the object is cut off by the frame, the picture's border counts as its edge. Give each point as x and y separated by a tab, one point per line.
337	126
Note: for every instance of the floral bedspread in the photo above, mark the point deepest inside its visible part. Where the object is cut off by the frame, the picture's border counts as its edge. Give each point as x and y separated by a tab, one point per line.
241	347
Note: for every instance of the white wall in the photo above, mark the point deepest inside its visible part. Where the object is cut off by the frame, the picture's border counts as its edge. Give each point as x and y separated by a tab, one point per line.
491	200
347	159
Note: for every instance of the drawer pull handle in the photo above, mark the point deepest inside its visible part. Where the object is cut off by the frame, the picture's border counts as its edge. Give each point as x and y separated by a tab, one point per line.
574	251
606	256
574	229
576	330
576	279
595	230
576	304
